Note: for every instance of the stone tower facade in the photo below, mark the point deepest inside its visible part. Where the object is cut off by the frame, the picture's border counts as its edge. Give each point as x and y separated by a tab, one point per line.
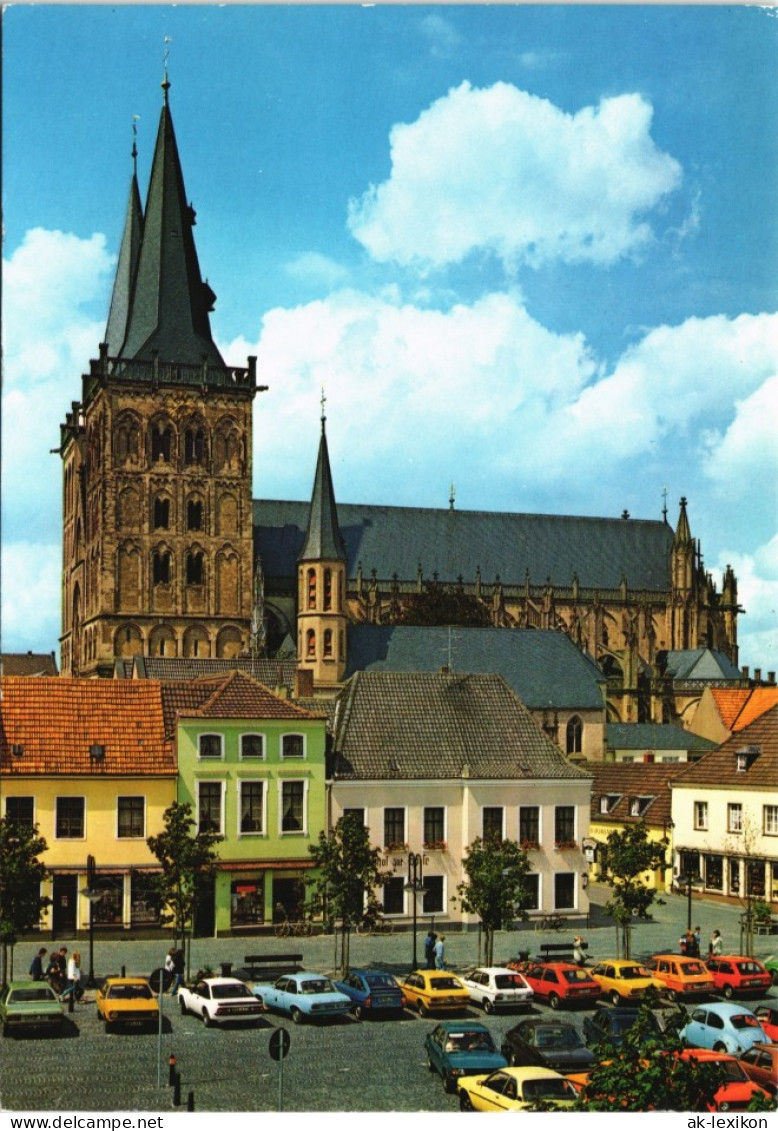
158	545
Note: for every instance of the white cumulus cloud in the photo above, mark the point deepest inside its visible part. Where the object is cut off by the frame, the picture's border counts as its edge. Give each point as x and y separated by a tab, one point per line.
505	171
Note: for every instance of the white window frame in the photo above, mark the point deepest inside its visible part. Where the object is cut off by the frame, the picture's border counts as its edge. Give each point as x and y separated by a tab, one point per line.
252	781
253	757
700	814
770	820
69	797
208	758
292	832
405	824
119	796
733	808
293	757
483	810
540	820
424	809
221	783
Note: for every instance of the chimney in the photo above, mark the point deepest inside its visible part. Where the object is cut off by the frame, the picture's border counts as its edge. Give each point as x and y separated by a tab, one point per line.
303	683
444	670
757	675
745	671
771	678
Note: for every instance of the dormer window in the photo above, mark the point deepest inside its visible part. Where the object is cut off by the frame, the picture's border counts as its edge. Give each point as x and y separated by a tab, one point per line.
609	801
638	805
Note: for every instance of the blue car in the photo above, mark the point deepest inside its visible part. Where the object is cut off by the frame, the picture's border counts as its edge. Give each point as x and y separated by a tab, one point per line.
461	1048
372	993
724	1027
303	995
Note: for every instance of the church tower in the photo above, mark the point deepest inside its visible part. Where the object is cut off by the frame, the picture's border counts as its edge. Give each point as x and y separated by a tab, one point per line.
157	547
321	582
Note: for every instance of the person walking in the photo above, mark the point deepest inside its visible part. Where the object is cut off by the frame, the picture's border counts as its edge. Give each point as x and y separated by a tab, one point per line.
37	972
73	988
579	947
56	971
429	948
716	944
174	963
439	951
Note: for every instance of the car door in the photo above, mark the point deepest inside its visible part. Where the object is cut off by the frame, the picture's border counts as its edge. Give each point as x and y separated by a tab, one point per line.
435	1047
491	1097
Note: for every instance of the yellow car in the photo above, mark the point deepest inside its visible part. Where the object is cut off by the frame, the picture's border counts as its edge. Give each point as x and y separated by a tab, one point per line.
516	1089
433	991
622	979
127	1001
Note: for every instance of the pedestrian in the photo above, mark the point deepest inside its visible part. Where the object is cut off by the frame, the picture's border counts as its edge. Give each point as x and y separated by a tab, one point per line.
697	941
579	946
440	962
429	948
688	947
56	971
682	944
174	964
716	944
36	966
73	988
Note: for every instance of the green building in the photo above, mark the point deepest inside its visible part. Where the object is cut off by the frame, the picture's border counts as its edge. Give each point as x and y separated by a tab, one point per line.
251	764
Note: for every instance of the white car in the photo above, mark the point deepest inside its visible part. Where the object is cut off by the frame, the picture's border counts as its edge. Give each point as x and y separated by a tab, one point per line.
216	1000
496	987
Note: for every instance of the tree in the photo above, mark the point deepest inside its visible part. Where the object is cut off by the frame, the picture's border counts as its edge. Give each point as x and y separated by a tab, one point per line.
349	871
495	889
21	876
186	859
628	856
646	1073
441	604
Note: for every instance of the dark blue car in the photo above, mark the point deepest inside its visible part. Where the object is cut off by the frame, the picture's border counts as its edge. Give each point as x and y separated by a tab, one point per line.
372	992
461	1048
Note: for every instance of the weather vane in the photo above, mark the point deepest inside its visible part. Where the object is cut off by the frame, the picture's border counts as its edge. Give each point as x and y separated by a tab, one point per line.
323	402
135	118
166	82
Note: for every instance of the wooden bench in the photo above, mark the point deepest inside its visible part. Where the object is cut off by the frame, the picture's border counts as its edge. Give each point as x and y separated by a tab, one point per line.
559	952
266	967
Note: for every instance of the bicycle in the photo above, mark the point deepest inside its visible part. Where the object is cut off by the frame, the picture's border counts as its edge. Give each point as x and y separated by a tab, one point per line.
295	928
553	922
379	926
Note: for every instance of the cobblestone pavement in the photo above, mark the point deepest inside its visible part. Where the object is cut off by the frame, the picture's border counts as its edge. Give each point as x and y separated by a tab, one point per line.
337	1066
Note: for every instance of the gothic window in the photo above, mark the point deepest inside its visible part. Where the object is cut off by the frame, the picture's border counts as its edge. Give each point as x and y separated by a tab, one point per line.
161	513
126	439
161	442
194	567
160	567
194	445
327	644
328	589
310	644
194	514
311	588
574	735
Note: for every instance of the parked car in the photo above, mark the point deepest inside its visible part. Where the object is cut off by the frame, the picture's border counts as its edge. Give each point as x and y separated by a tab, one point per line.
737	1089
430	991
461	1048
217	1000
760	1064
562	983
771	966
622	979
515	1089
612	1023
303	994
547	1044
738	974
127	1002
767	1016
676	976
724	1027
31	1006
497	987
372	993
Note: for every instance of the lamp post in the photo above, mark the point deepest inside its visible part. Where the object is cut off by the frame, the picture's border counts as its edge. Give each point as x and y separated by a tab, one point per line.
415	885
93	895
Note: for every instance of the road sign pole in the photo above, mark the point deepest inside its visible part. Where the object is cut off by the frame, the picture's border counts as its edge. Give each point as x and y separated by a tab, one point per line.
280	1083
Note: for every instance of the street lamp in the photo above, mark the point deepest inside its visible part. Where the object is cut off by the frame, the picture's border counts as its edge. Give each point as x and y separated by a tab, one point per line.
689	876
94	895
415	886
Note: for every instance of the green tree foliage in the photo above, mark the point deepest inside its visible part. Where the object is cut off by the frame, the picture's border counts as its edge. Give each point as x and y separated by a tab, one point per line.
629	855
646	1073
187	858
21	876
348	872
441	604
496	886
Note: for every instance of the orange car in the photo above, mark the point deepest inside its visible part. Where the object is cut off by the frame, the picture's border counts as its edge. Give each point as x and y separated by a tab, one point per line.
679	977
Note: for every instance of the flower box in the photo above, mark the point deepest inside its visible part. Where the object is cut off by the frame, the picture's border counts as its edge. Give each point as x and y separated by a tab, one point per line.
396	846
566	844
435	845
530	845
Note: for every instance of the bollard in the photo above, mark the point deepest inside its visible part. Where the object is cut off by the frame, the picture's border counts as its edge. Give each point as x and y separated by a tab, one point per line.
190	1101
177	1090
124	972
171	1079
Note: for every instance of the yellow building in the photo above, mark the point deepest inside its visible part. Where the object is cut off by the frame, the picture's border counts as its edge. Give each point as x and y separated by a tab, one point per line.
87	761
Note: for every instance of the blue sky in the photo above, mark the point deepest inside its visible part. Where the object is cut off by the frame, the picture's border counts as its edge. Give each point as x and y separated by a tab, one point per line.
530	250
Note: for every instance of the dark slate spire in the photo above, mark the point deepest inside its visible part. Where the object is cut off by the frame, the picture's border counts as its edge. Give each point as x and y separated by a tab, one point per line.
126	270
170	305
322	540
683	534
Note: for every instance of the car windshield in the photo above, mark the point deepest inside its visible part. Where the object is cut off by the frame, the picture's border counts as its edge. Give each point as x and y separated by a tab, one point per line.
547	1089
232	990
634	972
509	982
749	968
734	1072
558	1037
743	1020
576	976
317	986
36	993
469	1042
692	968
444	984
380	981
125	992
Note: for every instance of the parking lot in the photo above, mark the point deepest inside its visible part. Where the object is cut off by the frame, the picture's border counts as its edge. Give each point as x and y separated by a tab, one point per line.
341	1065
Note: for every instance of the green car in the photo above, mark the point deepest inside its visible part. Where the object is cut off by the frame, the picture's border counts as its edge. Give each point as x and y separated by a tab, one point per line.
771	965
30	1005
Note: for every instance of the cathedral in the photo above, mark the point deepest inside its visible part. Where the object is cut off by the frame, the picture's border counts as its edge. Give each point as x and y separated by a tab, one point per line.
166	554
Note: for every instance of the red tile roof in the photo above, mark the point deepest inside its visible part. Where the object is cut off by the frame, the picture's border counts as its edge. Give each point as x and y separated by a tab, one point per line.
730	702
627	780
56	720
719	767
760	700
232	696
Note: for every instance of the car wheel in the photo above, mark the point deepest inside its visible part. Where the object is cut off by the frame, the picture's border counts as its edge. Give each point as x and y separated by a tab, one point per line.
672	995
430	1065
616	997
207	1019
465	1103
488	1005
728	991
774	976
107	1026
297	1016
6	1030
449	1084
184	1010
422	1009
554	1001
359	1012
719	1047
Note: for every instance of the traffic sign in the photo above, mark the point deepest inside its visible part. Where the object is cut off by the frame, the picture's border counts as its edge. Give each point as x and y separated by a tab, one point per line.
161	980
279	1043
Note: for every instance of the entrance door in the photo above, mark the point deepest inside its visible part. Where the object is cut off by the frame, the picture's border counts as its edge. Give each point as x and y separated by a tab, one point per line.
63	918
288	899
205	909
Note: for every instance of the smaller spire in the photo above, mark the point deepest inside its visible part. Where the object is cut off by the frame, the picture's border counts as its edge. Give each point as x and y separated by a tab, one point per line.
323	540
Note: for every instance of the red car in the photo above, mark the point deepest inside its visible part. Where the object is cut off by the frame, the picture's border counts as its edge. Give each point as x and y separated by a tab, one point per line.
562	983
737	1091
767	1016
738	974
761	1065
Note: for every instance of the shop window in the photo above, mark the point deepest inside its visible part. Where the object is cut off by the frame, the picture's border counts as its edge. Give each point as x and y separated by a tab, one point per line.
433	901
247	902
108	909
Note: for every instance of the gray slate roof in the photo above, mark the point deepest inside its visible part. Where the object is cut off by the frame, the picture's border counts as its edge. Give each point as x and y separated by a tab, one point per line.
402	725
323	541
702	664
653	736
272	673
398	540
545	669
